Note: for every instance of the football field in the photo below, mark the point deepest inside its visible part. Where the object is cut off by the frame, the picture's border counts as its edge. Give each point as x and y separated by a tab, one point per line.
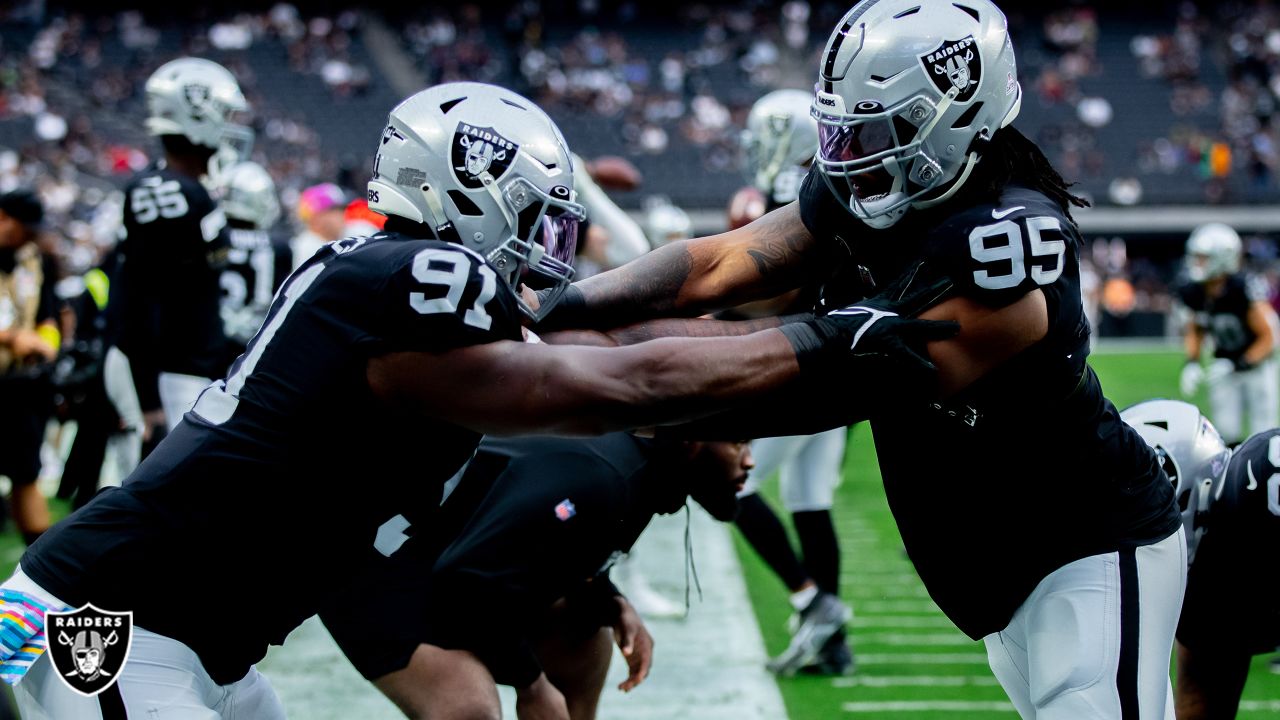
912	662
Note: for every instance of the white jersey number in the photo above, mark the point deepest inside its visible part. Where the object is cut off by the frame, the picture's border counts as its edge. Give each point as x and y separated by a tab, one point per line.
155	199
449	268
1047	255
1273	482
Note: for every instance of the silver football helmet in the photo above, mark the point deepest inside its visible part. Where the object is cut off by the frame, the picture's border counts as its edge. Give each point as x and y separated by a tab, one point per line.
1191	452
781	137
250	196
486	168
906	93
201	101
1213	250
664	222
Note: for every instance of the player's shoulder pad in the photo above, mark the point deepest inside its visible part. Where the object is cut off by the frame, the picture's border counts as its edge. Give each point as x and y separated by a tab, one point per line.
446	284
996	252
162	197
1253	287
1251	472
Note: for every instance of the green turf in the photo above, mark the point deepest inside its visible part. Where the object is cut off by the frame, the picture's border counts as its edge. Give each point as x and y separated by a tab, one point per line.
879	582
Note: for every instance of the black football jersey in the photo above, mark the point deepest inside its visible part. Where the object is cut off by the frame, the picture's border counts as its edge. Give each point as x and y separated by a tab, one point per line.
785	189
255	267
551	513
250	511
175	244
1231	586
1030	467
1225	317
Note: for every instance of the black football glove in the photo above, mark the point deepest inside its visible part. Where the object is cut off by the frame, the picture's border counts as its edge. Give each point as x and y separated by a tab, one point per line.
878	327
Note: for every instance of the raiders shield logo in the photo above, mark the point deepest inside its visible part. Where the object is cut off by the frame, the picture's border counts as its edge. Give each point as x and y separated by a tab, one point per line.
955	64
479	150
197	95
88	647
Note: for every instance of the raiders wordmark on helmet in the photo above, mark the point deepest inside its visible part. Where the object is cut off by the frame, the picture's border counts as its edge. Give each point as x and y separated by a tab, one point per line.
477	150
955	63
89	646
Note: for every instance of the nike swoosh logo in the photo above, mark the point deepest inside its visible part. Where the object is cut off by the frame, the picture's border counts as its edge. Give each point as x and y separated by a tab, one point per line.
1253	481
1000	214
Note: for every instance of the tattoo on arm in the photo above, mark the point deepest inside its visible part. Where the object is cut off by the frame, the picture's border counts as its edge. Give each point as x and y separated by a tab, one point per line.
782	245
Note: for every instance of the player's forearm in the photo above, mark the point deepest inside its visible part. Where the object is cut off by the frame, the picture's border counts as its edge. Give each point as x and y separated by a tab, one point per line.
693	277
1191	343
667	328
671	380
1261	320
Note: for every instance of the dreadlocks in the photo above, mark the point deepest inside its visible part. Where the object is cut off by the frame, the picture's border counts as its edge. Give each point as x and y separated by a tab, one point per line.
1011	157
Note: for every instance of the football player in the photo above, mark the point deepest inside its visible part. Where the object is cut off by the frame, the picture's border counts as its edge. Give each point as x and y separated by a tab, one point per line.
522	594
174	238
255	267
919	166
382	360
779	144
1232	309
1231	510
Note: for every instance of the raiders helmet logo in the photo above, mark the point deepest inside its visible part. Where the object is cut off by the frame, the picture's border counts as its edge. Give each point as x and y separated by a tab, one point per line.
88	647
480	150
197	97
955	64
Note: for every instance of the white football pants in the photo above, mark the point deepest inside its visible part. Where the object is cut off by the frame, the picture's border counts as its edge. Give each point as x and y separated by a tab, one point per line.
161	680
809	468
178	394
1093	639
1256	392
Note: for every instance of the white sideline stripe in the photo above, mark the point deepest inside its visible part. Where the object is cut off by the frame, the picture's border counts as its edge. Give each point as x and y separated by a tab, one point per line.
922	659
884	593
904	706
898	578
919	639
884	681
900	621
1260	705
897	606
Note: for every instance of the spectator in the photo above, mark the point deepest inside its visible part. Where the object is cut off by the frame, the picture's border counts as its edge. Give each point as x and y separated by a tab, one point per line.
29	341
321	208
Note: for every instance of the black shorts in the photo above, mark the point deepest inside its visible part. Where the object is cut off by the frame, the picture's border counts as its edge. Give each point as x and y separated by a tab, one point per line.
1230	603
24	413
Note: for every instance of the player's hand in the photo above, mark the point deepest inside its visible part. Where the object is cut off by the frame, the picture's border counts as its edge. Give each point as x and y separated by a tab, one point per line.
541	701
30	344
151	420
1218	371
635	642
1192	376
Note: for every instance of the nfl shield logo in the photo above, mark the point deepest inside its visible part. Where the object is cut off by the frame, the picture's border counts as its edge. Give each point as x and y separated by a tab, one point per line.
88	647
565	510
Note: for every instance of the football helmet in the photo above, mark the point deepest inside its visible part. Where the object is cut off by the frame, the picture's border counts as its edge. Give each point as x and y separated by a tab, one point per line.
781	136
488	169
906	95
200	100
250	196
664	222
1213	251
1190	450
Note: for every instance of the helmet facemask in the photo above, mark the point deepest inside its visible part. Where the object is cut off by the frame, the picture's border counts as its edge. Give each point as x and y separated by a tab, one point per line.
540	251
878	161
